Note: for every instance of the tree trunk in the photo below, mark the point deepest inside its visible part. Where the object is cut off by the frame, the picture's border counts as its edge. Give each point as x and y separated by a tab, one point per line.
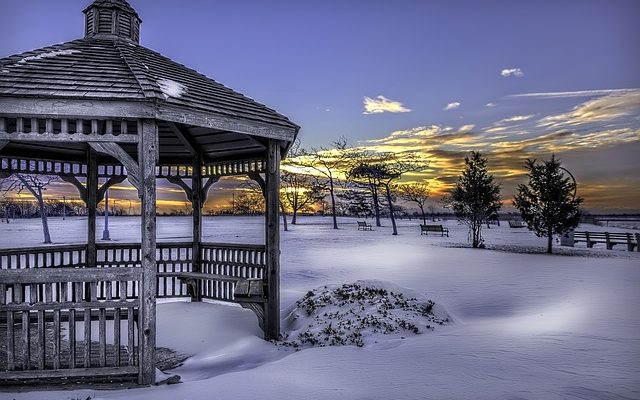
393	218
475	233
333	204
376	205
45	222
294	219
284	217
549	241
424	216
43	213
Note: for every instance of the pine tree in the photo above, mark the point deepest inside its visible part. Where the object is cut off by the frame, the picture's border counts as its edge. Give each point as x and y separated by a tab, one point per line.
548	203
475	197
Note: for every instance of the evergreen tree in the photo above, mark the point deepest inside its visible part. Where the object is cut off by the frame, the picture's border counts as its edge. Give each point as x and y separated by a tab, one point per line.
475	197
548	203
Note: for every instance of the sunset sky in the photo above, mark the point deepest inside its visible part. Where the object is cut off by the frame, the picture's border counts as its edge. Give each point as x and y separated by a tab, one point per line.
514	79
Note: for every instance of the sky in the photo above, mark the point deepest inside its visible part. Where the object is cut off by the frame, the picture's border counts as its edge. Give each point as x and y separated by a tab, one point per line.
513	79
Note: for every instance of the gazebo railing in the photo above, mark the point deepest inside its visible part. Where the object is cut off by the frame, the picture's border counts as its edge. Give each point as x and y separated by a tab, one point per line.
54	325
58	318
235	261
68	256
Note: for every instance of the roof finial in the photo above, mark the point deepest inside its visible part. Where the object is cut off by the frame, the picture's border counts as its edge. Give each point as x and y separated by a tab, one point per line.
112	19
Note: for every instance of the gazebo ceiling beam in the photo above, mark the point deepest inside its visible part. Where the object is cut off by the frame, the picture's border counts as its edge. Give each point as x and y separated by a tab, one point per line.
176	180
185	139
256	177
3	143
114	180
224	123
67	137
82	190
188	190
99	109
205	188
117	152
75	182
86	108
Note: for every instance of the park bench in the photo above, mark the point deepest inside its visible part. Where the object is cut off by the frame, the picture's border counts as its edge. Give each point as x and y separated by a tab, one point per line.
363	226
610	239
248	292
425	229
245	288
517	224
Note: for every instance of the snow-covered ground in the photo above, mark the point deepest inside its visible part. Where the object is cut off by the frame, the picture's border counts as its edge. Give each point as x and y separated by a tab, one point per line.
524	325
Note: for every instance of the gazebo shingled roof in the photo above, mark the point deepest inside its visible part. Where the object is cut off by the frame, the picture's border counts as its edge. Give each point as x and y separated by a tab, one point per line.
105	107
101	68
113	66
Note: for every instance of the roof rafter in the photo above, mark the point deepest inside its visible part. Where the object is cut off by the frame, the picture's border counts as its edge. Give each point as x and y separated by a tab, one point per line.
185	139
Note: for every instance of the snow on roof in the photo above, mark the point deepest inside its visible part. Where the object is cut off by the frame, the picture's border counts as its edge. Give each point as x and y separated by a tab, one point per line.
49	54
171	88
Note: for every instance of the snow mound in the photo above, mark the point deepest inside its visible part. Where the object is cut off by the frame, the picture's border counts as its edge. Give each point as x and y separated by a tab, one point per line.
360	313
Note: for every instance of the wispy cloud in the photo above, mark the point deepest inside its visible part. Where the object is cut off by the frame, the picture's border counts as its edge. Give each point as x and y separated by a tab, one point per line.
507	72
381	105
452	106
490	105
466	128
578	93
601	109
495	129
516	118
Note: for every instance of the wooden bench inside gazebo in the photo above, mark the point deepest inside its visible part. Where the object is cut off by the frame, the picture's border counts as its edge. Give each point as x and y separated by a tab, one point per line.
97	111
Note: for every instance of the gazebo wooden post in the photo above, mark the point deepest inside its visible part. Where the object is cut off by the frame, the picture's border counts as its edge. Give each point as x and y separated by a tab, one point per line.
92	203
272	240
148	157
197	204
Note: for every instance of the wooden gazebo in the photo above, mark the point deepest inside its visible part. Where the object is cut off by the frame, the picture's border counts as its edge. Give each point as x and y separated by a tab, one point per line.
96	111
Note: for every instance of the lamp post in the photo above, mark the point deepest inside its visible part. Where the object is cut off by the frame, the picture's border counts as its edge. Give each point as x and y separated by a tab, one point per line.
105	233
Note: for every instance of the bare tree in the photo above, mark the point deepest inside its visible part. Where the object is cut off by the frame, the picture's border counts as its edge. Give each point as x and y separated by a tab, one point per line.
384	170
36	185
257	187
418	193
330	164
299	192
366	180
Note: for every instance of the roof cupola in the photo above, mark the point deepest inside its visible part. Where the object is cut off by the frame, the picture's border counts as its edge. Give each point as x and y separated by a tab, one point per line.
112	19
